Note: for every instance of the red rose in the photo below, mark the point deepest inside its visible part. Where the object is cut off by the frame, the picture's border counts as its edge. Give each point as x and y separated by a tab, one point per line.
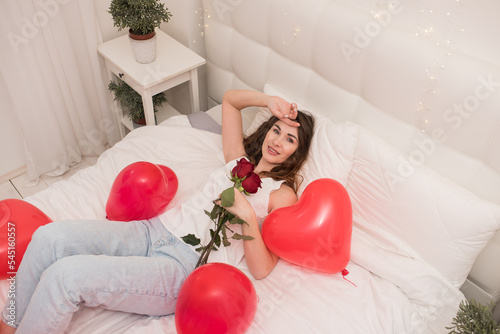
243	168
251	183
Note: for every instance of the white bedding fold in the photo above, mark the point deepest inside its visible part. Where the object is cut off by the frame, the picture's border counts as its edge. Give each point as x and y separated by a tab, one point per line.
434	301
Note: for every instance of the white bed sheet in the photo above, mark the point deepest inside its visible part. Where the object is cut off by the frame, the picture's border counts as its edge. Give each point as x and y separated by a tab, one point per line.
391	292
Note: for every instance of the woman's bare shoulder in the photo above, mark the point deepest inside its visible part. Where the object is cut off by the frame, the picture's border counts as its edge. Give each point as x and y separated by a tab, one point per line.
283	196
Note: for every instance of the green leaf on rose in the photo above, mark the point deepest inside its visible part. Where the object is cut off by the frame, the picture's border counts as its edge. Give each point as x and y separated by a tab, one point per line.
191	239
225	240
236	220
238	236
214	213
227	197
226	217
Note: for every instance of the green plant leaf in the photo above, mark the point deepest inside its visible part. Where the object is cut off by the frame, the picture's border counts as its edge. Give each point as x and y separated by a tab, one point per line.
238	236
213	214
238	221
224	218
141	16
225	240
191	239
131	101
216	211
227	197
473	317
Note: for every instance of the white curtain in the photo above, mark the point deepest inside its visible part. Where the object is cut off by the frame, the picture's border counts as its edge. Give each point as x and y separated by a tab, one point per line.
49	61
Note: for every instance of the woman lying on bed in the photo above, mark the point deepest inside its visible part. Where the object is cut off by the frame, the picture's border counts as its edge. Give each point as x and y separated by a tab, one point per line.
139	266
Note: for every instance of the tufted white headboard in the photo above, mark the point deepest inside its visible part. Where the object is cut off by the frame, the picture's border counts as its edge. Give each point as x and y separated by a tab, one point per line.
424	76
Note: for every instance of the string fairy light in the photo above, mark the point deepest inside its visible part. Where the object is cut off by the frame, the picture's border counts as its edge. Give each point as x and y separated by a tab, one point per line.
290	37
426	27
199	13
377	5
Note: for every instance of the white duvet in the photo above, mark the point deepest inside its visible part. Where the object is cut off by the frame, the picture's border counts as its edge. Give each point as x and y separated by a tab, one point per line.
389	290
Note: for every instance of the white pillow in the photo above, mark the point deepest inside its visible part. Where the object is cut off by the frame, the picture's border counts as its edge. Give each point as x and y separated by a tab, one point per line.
331	153
262	115
445	224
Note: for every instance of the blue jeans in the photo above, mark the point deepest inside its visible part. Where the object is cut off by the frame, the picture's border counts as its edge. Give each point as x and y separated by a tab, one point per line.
135	267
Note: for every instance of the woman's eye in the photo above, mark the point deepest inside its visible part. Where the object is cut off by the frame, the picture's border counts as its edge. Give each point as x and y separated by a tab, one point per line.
276	131
290	140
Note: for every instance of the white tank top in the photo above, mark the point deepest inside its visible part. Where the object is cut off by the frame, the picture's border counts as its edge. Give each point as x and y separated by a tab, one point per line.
189	217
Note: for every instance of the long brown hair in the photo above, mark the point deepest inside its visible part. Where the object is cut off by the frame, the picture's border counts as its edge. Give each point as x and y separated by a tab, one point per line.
289	169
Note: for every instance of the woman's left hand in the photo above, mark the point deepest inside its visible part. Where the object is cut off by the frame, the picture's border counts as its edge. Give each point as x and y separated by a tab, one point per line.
241	207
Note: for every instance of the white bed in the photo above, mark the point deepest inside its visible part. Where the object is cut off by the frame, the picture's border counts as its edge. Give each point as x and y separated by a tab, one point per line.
424	208
292	299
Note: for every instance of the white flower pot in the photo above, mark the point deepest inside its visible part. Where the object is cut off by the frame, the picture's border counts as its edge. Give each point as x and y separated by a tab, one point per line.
143	47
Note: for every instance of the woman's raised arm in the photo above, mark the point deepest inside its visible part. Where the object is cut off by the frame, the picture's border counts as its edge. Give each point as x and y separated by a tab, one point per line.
232	128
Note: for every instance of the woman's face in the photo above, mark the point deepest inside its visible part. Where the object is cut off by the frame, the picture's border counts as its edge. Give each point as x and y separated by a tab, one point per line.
280	143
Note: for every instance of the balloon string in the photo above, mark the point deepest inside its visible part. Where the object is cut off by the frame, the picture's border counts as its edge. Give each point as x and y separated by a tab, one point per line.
344	274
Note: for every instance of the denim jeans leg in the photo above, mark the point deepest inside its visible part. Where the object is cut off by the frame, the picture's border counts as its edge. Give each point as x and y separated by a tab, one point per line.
135	267
142	285
58	240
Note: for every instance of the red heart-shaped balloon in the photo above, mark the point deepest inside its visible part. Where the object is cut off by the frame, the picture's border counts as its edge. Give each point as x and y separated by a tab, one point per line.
315	232
215	298
142	190
18	221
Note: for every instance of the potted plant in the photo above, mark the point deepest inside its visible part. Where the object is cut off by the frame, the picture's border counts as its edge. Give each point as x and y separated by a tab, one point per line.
473	317
141	17
131	101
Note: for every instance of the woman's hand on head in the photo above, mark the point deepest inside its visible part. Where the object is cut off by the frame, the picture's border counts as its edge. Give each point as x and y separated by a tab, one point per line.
283	109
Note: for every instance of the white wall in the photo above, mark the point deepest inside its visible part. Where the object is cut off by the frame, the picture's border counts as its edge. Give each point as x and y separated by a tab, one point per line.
105	21
186	26
12	160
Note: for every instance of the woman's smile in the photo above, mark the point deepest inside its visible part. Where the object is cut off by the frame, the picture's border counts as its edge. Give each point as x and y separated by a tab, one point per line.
272	151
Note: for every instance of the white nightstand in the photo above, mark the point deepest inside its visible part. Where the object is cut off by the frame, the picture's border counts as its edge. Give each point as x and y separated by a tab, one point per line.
174	65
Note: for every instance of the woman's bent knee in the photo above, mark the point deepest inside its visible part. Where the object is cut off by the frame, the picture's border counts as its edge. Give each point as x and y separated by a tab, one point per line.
48	234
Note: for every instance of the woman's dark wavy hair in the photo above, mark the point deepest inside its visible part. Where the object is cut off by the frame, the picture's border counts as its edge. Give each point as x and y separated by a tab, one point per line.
288	170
